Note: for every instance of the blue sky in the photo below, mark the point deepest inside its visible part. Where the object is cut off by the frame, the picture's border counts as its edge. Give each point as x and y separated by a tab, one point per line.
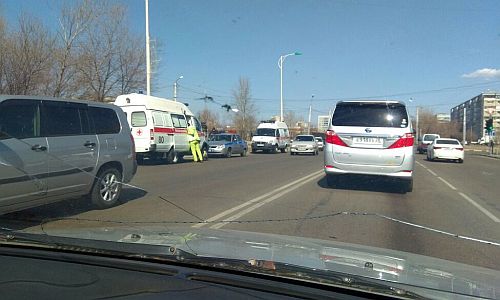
351	49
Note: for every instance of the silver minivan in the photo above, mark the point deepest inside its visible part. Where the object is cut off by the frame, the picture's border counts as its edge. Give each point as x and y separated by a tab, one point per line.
53	149
372	138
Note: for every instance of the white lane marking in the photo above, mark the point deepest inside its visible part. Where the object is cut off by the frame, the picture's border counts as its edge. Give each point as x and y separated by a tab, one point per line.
257	199
482	209
449	184
432	172
422	165
259	204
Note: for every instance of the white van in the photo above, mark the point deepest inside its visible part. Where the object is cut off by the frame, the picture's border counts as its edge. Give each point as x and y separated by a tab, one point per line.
271	137
159	127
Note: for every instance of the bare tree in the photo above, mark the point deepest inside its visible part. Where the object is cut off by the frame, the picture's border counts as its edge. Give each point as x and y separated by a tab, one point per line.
111	61
291	119
244	120
73	23
3	42
26	58
210	118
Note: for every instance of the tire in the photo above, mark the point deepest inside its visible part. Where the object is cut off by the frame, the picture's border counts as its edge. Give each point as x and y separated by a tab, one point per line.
229	153
291	153
460	161
284	150
204	152
107	188
276	148
244	153
172	157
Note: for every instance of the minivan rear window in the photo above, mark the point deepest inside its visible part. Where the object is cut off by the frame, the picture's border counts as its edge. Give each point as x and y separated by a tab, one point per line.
138	119
370	114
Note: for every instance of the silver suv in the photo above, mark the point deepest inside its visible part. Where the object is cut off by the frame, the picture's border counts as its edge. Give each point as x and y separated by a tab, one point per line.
370	137
52	149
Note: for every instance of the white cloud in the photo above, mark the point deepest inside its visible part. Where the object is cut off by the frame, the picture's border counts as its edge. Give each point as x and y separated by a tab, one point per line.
483	73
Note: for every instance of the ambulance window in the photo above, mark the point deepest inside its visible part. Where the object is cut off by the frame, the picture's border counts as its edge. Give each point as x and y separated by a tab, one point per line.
138	119
167	119
158	119
197	124
179	121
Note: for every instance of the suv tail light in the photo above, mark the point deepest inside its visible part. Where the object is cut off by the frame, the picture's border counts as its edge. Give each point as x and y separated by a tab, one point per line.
406	140
333	138
152	134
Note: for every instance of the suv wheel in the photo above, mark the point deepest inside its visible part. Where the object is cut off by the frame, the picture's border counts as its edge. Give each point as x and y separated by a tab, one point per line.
276	148
244	153
107	188
284	150
204	152
229	153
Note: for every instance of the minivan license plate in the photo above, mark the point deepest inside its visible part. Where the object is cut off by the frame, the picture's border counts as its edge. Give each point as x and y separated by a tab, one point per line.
367	140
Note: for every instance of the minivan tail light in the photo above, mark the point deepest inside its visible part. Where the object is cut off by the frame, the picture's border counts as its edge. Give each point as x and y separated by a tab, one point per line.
406	140
333	138
152	134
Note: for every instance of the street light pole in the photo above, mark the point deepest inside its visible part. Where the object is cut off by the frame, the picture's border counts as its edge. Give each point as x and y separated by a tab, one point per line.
148	54
175	87
280	65
309	120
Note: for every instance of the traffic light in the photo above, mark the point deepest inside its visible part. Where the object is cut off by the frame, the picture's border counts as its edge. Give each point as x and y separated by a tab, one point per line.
489	125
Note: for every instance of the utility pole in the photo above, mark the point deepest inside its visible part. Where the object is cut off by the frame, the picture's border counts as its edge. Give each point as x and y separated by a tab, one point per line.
148	54
309	121
464	130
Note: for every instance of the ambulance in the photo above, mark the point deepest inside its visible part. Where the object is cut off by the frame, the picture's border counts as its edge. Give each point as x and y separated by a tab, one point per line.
271	137
159	127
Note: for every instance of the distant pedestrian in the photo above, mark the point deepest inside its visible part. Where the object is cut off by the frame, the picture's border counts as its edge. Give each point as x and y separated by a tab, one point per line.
194	142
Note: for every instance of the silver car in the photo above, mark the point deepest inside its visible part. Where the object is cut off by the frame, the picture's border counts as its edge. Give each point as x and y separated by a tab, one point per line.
52	149
370	137
226	144
304	144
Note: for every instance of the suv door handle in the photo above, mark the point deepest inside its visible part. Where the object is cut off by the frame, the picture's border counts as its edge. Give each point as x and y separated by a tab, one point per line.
89	144
38	148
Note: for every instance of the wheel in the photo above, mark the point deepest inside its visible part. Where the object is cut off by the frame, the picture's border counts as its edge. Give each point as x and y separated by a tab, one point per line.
276	148
284	150
291	153
229	153
107	188
204	152
331	180
460	161
316	153
172	157
244	153
140	159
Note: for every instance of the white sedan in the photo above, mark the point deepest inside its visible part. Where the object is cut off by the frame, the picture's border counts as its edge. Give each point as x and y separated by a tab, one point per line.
446	149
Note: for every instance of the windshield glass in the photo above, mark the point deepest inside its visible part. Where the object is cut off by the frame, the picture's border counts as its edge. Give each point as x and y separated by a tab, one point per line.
429	138
304	138
193	123
265	132
221	137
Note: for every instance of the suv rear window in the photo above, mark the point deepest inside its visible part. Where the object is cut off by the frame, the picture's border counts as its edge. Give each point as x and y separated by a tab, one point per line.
370	114
105	120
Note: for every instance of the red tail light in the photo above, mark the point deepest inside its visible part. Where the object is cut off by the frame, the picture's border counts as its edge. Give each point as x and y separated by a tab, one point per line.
437	148
406	140
460	149
333	138
152	134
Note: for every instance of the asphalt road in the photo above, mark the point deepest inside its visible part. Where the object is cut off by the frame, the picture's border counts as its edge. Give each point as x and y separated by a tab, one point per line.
284	194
